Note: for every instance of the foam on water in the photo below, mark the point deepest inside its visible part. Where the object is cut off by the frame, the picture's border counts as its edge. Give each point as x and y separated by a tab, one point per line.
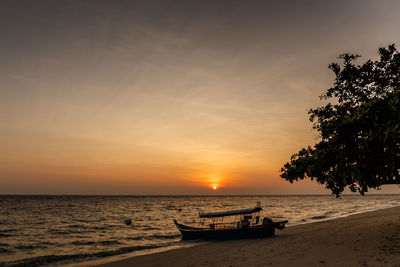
43	230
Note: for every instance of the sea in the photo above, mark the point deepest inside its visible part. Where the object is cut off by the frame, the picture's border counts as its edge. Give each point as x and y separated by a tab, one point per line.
57	230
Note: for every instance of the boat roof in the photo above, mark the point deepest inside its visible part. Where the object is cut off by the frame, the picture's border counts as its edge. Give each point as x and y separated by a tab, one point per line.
229	213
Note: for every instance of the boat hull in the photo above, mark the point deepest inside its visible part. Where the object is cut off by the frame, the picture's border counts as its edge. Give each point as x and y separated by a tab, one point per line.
225	234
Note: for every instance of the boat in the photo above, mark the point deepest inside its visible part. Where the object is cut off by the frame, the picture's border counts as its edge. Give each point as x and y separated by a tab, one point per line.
246	223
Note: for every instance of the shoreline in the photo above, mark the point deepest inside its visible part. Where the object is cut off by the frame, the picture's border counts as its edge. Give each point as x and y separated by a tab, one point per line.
342	216
379	218
99	261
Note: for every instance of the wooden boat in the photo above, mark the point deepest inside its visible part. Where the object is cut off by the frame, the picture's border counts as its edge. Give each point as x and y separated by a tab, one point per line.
246	224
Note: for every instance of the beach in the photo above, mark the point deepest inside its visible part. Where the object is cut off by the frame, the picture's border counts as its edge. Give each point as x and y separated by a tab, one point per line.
365	239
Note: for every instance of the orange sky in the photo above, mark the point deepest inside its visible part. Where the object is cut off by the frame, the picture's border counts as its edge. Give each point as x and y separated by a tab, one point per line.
121	97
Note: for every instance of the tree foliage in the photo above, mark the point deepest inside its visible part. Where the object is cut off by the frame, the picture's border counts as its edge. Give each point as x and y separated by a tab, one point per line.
359	128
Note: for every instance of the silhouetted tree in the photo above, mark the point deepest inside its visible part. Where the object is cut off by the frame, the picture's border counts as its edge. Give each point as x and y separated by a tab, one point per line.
359	128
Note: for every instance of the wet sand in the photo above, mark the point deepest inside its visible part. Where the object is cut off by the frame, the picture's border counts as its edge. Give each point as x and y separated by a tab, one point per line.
366	239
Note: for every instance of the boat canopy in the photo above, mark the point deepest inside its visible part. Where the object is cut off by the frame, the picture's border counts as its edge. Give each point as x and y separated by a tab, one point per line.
229	213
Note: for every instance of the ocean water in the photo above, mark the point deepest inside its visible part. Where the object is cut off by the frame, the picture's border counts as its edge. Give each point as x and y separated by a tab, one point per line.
53	230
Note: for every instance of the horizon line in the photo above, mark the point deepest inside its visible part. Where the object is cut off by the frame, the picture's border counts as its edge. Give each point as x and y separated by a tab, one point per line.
194	195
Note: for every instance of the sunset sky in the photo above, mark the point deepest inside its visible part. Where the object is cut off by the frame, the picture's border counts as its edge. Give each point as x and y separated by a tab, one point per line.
170	97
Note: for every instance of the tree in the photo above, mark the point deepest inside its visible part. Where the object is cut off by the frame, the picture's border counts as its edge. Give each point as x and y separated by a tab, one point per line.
359	128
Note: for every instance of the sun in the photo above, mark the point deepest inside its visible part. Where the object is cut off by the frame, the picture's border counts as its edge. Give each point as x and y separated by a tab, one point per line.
214	187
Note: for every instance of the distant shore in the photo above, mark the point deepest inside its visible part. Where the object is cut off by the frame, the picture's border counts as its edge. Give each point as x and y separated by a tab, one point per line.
365	239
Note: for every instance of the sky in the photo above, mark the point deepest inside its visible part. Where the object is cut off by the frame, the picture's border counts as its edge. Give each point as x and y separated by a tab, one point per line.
170	97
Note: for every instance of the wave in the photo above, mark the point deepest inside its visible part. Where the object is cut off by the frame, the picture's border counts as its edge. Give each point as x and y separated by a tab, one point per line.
60	259
104	243
8	230
5	235
135	238
76	230
318	217
149	228
82	243
171	236
109	242
76	226
29	247
155	237
325	216
160	236
63	232
5	251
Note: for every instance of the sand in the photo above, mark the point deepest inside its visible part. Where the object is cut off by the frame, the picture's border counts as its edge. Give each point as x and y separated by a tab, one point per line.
366	239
